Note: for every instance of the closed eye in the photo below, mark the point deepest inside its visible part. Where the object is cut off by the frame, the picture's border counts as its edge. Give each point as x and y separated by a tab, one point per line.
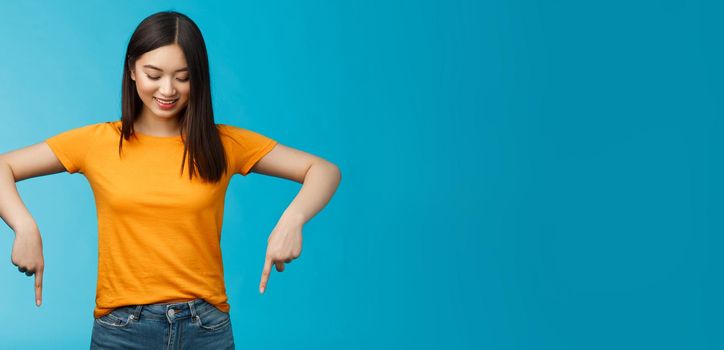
156	78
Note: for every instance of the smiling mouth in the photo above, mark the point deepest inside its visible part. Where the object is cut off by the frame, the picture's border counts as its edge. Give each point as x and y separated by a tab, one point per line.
165	102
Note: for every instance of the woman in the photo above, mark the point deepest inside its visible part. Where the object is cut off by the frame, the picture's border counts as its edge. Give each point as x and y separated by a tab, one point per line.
159	177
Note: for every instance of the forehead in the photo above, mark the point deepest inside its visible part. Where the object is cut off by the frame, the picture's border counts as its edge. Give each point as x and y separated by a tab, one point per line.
168	58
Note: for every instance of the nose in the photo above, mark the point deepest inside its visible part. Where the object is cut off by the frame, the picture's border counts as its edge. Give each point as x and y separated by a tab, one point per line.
167	88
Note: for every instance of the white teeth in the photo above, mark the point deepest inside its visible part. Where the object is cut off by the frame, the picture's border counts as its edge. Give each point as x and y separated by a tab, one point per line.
165	102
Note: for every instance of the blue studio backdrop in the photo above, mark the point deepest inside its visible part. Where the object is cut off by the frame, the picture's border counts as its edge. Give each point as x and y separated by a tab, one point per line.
515	174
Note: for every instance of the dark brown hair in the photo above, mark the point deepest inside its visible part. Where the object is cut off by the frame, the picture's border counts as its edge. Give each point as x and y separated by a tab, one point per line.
202	144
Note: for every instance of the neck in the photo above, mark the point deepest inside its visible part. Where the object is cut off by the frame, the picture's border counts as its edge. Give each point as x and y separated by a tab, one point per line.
151	124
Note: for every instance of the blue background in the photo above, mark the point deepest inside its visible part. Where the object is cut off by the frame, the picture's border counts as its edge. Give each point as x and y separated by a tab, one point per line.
516	174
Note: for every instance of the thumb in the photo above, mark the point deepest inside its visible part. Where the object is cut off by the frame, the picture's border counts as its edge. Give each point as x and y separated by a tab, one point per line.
265	274
38	288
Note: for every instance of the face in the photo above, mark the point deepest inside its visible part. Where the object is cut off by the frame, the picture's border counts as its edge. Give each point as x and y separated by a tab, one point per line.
162	81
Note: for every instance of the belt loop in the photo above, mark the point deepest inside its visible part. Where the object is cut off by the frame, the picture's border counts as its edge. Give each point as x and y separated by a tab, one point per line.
192	308
137	312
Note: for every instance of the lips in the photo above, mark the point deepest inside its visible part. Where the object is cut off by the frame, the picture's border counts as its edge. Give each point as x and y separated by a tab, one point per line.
165	104
166	101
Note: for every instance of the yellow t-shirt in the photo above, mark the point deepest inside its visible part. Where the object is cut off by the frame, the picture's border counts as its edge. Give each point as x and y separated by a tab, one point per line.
159	233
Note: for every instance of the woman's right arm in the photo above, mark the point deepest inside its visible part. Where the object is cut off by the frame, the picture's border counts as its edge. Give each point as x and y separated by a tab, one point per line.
32	161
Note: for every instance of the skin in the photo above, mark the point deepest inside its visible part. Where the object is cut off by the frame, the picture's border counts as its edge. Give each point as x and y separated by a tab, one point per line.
168	80
319	177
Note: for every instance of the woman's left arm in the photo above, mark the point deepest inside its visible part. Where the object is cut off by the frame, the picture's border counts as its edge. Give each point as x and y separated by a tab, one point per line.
319	179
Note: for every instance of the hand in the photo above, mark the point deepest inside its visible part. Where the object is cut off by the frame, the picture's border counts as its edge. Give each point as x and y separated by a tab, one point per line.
27	255
283	245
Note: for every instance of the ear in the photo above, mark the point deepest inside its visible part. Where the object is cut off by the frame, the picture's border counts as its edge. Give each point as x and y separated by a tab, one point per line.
133	75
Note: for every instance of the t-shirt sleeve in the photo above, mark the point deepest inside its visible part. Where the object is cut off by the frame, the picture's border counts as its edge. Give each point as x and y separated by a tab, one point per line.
247	147
71	147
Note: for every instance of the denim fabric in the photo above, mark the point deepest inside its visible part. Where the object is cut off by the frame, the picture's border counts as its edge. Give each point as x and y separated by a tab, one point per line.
194	324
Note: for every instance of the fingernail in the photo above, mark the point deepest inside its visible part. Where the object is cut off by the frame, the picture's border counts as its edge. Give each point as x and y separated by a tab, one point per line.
37	302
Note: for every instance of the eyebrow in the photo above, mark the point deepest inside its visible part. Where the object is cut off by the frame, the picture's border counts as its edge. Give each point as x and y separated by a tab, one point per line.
159	69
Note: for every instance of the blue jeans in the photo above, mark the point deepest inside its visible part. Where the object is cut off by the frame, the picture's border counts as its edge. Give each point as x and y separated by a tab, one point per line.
195	324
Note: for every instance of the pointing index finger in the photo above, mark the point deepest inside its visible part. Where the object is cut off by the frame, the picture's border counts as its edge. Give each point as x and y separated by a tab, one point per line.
265	275
38	287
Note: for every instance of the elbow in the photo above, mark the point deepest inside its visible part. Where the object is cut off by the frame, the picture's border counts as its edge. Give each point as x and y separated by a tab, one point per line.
333	172
339	174
336	173
5	164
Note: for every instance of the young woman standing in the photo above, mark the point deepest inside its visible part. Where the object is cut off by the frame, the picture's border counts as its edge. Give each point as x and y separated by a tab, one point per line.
159	177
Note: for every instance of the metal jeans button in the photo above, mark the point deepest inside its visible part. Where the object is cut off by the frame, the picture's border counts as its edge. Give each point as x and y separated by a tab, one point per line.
170	312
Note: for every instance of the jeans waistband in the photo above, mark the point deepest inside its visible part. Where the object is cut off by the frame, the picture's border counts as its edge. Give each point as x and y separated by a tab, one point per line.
170	310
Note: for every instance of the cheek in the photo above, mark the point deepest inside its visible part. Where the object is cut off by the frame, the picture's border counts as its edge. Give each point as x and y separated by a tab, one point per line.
184	93
144	89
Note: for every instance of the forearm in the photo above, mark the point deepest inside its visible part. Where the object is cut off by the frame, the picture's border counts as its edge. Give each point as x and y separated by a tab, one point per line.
12	209
319	185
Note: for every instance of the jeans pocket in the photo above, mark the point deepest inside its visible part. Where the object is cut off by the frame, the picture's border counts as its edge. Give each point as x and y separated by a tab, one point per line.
118	318
213	319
